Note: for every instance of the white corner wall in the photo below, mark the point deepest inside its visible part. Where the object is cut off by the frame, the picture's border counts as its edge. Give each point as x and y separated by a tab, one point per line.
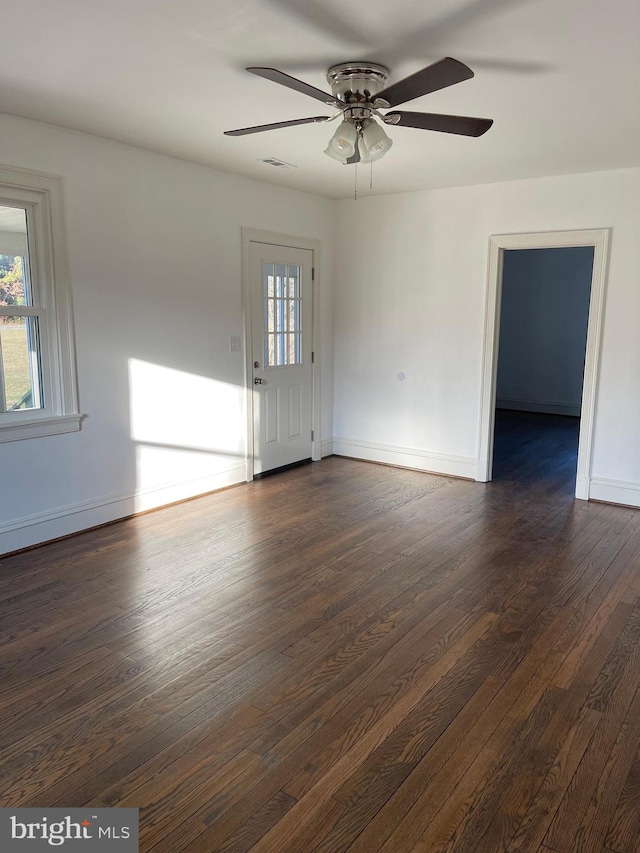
410	300
155	261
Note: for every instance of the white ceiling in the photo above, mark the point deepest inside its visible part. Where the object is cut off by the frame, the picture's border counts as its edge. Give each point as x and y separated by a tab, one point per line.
560	78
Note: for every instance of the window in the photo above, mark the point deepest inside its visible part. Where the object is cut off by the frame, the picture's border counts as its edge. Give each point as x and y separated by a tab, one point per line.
282	315
37	374
20	360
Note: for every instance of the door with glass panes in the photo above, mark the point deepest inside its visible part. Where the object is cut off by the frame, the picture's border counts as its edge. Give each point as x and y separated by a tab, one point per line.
282	378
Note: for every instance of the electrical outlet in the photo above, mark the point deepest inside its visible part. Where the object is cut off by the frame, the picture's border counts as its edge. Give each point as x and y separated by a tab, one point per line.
235	344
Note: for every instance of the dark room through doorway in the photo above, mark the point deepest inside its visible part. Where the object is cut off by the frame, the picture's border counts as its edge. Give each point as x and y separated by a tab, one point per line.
544	316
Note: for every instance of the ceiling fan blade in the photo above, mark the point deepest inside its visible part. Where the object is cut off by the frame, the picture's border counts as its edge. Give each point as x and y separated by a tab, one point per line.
355	157
462	125
296	85
259	128
511	66
441	74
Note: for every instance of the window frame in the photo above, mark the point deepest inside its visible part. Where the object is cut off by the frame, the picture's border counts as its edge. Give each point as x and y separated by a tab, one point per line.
41	195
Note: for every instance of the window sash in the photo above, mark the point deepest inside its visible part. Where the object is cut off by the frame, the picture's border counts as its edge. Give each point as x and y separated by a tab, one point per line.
21	311
33	357
40	195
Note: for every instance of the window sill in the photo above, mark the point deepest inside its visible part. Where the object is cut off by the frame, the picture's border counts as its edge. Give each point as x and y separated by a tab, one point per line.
38	427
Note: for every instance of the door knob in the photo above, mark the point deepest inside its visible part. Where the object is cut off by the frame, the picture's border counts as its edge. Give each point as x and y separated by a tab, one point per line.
258	381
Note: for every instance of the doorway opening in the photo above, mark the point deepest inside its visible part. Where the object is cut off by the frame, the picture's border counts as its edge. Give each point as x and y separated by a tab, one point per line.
541	352
541	355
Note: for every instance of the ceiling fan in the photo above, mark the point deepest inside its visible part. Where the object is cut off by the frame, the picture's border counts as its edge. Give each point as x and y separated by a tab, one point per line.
359	95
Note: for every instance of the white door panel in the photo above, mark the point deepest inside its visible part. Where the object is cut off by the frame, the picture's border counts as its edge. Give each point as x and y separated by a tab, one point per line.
281	326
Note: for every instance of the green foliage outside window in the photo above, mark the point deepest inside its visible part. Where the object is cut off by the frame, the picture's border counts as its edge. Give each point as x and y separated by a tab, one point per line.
11	285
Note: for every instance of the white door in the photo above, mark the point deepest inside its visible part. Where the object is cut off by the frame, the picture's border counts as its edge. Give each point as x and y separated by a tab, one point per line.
281	324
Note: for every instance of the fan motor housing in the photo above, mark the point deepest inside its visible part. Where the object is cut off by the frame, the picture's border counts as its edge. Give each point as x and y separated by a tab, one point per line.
354	82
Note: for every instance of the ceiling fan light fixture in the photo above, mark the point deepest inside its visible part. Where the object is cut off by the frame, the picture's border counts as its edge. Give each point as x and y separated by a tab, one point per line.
359	91
363	152
374	141
342	144
335	155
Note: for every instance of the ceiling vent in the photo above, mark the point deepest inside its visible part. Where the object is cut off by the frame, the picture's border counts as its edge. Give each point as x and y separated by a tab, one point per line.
280	164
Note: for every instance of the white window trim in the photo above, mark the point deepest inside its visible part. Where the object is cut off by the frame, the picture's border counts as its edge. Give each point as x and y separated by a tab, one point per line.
42	195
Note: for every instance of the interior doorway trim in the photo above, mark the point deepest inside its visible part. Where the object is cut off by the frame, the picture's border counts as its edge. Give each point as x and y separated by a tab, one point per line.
273	238
599	239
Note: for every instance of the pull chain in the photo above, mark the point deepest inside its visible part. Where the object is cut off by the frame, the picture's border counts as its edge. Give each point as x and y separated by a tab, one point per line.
371	175
355	188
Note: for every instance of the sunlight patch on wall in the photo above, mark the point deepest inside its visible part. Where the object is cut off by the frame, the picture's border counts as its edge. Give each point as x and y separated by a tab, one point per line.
186	426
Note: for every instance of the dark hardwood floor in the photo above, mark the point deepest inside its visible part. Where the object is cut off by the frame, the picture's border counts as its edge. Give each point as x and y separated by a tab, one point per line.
342	657
531	447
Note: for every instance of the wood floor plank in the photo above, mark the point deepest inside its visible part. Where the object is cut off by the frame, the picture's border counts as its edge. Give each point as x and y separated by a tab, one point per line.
624	829
388	818
531	830
258	824
189	794
612	695
444	796
359	738
466	816
521	784
49	705
345	657
432	716
193	738
58	763
367	684
592	832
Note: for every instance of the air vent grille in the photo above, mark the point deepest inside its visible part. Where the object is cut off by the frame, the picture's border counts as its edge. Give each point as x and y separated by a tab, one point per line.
280	164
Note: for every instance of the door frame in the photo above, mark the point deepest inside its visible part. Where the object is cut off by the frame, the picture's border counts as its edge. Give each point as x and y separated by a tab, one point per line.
273	238
599	239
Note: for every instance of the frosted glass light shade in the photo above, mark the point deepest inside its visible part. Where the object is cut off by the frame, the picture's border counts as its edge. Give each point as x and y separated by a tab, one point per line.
374	142
342	144
364	153
335	155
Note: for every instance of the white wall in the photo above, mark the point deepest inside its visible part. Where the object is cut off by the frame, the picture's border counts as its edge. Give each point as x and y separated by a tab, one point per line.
414	302
543	329
155	258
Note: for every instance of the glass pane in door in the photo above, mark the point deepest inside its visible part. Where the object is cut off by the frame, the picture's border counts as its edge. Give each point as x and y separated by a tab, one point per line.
282	315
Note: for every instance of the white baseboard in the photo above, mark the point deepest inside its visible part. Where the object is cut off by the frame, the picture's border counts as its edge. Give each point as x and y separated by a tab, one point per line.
42	527
614	491
407	457
327	447
546	406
